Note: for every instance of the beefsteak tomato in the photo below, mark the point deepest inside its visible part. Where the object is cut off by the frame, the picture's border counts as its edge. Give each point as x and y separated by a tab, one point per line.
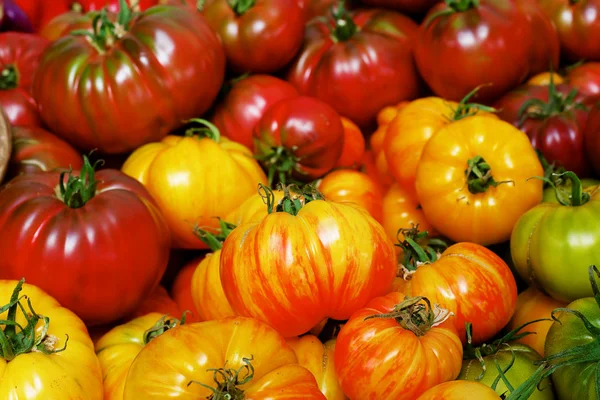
6	139
401	209
459	390
545	52
118	88
181	291
77	238
544	79
354	145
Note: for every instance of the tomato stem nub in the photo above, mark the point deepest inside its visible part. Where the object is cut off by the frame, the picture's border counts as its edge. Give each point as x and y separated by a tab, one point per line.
207	130
345	28
294	198
79	189
479	176
228	381
161	326
215	241
466	109
280	162
414	252
9	78
241	6
578	196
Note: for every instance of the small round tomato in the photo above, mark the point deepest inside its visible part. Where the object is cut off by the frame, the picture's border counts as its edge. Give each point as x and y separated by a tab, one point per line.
460	390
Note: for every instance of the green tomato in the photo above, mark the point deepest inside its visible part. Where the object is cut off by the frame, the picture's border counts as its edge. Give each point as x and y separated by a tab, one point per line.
550	193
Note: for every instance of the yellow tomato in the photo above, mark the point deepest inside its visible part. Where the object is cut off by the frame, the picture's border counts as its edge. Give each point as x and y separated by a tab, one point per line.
194	180
473	181
543	79
460	390
207	292
253	209
60	364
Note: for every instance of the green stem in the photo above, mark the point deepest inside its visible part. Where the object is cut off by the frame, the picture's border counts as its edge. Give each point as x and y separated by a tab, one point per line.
578	196
452	7
228	381
466	109
9	78
241	6
215	241
161	326
417	249
79	189
280	162
294	198
344	26
479	175
206	129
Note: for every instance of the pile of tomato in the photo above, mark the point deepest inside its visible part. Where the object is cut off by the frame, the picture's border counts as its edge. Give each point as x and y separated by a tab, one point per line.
300	199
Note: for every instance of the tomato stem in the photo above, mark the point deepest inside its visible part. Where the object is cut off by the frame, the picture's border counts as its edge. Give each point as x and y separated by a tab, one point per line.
414	251
466	109
345	28
294	198
215	241
241	6
161	326
452	7
578	196
9	78
280	162
228	381
479	176
79	189
207	130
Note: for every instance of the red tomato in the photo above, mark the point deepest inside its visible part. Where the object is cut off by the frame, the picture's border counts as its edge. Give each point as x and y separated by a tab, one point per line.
354	146
259	35
181	291
316	8
545	52
19	59
158	301
166	66
586	78
592	138
358	63
246	102
460	390
487	42
404	6
300	137
99	247
63	24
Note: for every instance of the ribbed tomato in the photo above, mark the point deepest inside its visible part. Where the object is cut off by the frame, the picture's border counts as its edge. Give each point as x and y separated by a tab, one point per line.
459	390
181	291
354	146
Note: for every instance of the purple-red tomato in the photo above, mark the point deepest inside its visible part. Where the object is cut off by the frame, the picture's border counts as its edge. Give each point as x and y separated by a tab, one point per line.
404	6
586	79
592	138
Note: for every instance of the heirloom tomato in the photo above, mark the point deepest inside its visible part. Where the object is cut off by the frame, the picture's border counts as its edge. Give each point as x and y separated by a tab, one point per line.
63	24
253	209
258	35
158	301
459	390
472	179
77	237
404	6
397	347
317	357
195	179
299	138
586	79
466	278
37	150
246	101
6	139
116	89
322	259
485	42
400	210
117	349
47	355
354	145
553	244
370	167
545	52
20	55
348	58
316	8
349	186
576	21
181	290
592	138
237	358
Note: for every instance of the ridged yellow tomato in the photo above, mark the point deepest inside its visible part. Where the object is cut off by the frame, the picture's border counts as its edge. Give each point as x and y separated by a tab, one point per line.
253	209
473	179
460	390
195	179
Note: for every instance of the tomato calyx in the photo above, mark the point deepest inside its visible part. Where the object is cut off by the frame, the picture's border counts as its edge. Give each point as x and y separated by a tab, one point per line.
205	130
416	315
13	342
466	109
294	198
280	162
417	249
558	181
79	189
479	176
344	27
241	6
215	241
228	381
9	78
76	7
452	7
161	326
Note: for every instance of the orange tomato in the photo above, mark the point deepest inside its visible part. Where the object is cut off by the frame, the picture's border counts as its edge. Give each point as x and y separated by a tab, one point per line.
195	179
181	291
408	348
369	166
350	186
253	209
533	304
354	145
460	390
158	301
317	357
543	79
384	117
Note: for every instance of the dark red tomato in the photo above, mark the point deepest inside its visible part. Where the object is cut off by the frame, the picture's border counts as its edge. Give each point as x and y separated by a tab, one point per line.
404	6
464	44
300	138
20	55
592	138
245	103
358	62
37	150
578	24
135	85
545	53
100	247
316	8
65	23
586	78
258	35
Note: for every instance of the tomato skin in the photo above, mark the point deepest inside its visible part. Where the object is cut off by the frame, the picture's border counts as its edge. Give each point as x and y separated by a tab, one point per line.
249	98
589	185
354	145
50	244
592	138
441	182
72	374
181	291
62	25
317	8
500	56
262	39
346	73
70	84
37	150
368	349
321	243
252	210
544	78
459	390
545	52
207	289
586	78
404	6
162	369
158	301
5	143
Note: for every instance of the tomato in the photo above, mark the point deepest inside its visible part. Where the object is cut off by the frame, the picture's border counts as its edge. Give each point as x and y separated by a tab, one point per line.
459	390
49	354
253	209
300	138
62	25
19	59
6	133
354	145
478	43
37	150
404	6
322	241
118	348
370	167
246	102
545	52
586	79
544	79
592	138
182	173
472	179
146	103
259	35
158	301
317	357
553	243
589	185
406	340
349	186
316	8
254	362
181	291
576	21
358	63
96	242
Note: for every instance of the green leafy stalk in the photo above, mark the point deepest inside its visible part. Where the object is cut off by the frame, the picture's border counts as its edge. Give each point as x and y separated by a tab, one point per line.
280	162
294	198
9	77
241	6
228	381
479	175
205	129
215	241
466	109
452	7
79	189
578	196
417	248
161	326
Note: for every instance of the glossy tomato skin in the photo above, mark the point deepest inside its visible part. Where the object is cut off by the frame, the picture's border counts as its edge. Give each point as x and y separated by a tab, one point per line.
70	86
20	55
81	255
488	44
63	24
263	38
459	390
246	102
37	150
354	145
346	73
207	290
404	6
181	291
545	52
158	301
308	128
168	363
589	185
586	79
592	138
372	348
